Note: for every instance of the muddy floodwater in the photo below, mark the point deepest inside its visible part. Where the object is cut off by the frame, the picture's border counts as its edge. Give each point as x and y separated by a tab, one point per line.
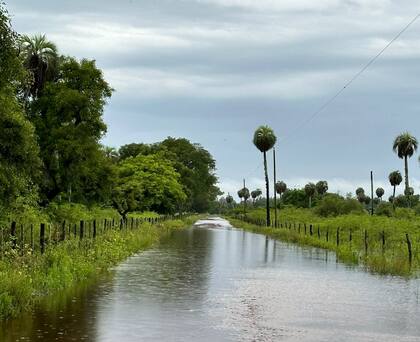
213	282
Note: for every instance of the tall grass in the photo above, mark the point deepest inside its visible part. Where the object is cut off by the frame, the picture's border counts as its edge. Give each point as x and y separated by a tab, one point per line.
377	242
26	277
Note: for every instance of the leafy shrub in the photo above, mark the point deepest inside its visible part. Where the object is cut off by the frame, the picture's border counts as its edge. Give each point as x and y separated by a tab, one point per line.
335	205
404	213
385	209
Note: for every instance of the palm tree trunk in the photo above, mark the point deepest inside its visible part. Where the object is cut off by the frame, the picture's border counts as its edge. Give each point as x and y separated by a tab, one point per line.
275	192
310	202
407	185
393	197
267	184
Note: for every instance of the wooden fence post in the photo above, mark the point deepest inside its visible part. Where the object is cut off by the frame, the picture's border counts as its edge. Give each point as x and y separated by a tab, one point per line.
94	229
310	230
327	235
410	254
319	233
82	228
383	241
350	236
63	231
366	242
338	236
42	238
13	234
305	227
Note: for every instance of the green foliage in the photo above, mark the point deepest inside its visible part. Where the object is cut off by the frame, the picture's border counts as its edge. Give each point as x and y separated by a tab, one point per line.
295	197
147	183
26	278
335	205
321	187
405	145
385	209
68	120
281	187
264	138
195	165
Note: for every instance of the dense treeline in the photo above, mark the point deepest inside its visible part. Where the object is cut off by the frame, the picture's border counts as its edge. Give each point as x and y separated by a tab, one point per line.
51	120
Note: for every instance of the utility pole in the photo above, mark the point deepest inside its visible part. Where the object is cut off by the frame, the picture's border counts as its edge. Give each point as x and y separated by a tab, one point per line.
275	193
371	190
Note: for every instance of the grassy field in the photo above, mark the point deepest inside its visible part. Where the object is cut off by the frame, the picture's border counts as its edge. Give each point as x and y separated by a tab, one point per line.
27	277
377	242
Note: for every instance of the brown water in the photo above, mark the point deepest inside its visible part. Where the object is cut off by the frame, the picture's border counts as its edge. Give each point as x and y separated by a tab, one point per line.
216	283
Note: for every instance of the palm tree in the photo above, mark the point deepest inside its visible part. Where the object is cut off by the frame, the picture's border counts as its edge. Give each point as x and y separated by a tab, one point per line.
405	145
255	194
310	190
360	192
229	200
322	187
244	194
380	192
281	188
395	179
40	57
264	140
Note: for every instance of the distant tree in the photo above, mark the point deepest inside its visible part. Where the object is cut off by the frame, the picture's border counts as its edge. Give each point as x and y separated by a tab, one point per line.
322	187
41	58
310	190
229	200
295	197
255	194
380	192
359	192
395	179
405	145
264	140
367	200
244	195
281	188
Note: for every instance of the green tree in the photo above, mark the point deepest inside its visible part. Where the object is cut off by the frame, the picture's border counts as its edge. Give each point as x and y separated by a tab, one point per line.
264	140
310	190
405	145
147	183
255	194
380	192
395	179
19	162
197	169
360	192
40	56
68	120
321	187
281	188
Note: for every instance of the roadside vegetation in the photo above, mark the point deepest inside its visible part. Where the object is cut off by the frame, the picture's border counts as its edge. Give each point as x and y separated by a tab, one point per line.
27	277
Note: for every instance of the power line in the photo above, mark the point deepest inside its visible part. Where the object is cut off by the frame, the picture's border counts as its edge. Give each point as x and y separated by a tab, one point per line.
361	71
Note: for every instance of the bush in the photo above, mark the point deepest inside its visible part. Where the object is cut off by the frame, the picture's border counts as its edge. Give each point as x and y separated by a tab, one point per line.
404	213
335	205
385	209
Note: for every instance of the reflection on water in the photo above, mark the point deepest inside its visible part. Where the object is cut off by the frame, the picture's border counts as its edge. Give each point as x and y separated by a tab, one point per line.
216	283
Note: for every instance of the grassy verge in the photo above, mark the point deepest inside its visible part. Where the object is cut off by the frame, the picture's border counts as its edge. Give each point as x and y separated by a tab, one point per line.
378	243
26	278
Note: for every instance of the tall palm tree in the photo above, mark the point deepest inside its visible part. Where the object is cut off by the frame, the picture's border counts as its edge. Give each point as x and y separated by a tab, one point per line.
310	190
322	187
395	179
40	57
380	192
229	200
264	140
360	192
405	145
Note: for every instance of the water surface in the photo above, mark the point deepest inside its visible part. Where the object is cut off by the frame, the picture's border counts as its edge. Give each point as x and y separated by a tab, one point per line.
213	282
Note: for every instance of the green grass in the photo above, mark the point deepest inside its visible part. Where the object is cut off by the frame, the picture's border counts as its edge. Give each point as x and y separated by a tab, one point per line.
26	277
389	258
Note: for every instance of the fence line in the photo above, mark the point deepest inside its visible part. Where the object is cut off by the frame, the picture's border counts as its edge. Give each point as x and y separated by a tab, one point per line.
340	237
50	234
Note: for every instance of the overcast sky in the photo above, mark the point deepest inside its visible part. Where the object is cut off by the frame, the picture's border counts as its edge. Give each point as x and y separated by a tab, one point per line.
214	70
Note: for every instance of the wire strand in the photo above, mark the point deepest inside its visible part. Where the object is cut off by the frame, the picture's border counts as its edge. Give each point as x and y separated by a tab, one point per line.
361	71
